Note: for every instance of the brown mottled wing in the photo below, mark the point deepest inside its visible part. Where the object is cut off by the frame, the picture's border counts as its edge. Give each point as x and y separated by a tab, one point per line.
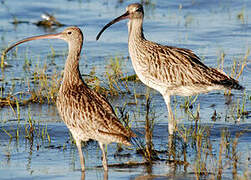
178	67
95	112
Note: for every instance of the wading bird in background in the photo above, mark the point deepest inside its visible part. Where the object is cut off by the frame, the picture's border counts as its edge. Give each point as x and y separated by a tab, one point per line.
87	114
169	70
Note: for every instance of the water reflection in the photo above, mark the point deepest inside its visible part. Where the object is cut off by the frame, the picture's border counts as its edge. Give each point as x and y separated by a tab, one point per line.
29	159
83	176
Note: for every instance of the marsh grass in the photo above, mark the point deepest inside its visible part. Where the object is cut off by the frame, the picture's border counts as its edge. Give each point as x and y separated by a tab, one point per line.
145	146
27	129
240	107
40	88
114	74
190	147
209	160
237	109
237	68
241	16
188	102
43	83
194	148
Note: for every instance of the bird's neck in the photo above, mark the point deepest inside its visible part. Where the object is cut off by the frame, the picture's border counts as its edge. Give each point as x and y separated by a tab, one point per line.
72	74
135	30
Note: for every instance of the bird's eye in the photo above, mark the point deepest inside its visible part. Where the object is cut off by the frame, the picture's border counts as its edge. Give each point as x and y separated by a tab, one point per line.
69	32
139	10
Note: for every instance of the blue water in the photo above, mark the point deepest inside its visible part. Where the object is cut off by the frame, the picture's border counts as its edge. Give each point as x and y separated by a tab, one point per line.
206	27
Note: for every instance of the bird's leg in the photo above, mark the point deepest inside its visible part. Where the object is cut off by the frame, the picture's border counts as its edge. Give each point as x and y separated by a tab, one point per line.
171	120
104	156
83	175
82	160
105	175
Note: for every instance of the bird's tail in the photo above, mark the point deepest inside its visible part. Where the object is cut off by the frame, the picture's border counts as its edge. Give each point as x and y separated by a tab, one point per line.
221	78
230	84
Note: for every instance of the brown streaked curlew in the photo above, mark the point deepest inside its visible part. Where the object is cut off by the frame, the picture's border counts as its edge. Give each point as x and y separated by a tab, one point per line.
87	114
169	70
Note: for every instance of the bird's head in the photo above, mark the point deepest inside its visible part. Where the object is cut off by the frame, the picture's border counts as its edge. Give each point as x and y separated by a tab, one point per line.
71	35
133	11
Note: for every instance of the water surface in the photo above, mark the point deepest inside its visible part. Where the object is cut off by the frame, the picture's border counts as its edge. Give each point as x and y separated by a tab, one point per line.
207	27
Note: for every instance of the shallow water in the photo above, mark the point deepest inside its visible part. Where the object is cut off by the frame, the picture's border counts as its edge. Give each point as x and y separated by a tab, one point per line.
206	27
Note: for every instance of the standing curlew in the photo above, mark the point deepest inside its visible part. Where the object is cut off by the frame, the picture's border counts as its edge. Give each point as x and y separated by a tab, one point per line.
169	70
86	113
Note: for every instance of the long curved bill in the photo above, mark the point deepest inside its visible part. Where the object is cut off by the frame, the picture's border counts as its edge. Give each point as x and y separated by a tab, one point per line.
124	16
47	36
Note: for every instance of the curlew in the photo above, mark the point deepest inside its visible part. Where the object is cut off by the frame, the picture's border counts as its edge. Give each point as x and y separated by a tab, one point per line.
87	114
169	70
